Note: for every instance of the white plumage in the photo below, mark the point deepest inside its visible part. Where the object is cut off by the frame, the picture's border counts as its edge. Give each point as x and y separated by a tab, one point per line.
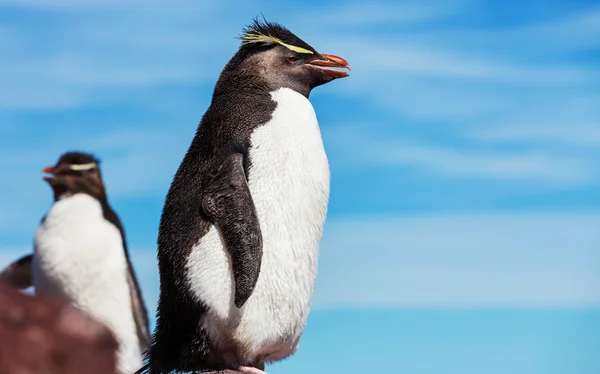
289	183
79	257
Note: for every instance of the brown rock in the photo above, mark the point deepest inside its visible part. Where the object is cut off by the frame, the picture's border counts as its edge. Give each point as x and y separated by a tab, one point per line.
41	335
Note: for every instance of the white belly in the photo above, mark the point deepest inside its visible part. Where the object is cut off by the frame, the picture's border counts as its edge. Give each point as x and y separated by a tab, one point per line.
79	257
289	183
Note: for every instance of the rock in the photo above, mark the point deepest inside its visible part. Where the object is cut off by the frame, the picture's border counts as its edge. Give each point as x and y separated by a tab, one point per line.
41	335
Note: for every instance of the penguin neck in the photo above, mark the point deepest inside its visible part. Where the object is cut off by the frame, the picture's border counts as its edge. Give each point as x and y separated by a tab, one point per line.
62	192
242	84
246	81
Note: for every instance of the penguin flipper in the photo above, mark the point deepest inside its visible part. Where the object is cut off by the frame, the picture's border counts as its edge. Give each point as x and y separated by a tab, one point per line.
18	274
139	313
228	204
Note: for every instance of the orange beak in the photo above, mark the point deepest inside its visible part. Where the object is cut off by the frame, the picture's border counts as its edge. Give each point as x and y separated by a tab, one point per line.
48	170
334	62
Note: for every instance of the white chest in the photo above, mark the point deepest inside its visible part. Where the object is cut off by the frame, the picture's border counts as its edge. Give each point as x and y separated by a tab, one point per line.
289	165
79	257
76	250
289	184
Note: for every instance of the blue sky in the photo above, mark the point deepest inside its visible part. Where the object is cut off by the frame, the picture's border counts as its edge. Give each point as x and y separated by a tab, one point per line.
463	231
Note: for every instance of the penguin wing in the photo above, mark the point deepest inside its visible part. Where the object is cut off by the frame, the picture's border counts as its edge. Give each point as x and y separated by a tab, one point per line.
138	308
228	204
18	274
139	313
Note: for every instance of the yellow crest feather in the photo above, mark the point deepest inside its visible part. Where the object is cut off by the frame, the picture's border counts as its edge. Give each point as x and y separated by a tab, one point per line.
256	37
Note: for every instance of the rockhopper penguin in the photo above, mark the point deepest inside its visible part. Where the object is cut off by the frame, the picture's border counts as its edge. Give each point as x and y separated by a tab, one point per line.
242	221
80	255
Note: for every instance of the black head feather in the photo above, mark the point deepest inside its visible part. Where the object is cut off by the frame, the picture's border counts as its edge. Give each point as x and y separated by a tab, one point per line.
77	158
275	30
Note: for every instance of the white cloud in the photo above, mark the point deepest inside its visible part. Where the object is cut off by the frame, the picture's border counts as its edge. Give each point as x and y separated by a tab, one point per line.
91	77
461	260
573	31
576	134
544	167
88	4
571	123
407	59
378	13
100	55
140	161
545	36
459	162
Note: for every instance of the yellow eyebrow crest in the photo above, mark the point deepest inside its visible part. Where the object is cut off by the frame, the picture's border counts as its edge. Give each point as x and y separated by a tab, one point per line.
81	167
261	38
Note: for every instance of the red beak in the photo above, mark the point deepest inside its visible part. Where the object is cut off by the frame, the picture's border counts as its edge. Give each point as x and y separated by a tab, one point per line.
334	62
49	170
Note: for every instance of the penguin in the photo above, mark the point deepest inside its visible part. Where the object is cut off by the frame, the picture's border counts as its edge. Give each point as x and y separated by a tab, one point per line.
242	221
80	256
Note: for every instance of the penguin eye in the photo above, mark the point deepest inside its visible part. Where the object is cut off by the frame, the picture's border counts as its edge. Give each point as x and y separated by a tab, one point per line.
292	59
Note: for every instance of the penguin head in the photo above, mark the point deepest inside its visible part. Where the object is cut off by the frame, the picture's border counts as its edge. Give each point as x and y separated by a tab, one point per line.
273	54
75	172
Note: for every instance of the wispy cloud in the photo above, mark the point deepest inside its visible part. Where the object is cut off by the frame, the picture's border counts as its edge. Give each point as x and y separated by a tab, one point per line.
90	63
537	166
521	37
576	134
571	31
379	13
406	59
461	260
486	159
78	5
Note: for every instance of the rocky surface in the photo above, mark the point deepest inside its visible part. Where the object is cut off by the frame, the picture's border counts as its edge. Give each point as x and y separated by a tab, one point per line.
40	335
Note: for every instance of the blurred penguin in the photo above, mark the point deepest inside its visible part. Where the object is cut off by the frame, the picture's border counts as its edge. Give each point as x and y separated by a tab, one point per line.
80	255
